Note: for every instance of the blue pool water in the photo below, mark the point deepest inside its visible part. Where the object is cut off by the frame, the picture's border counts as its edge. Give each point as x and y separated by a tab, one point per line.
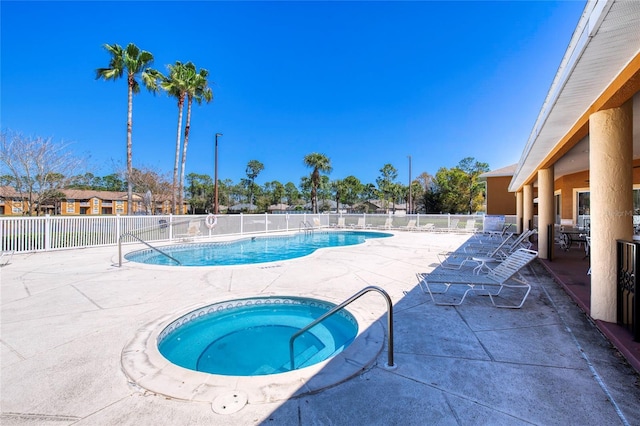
250	337
251	250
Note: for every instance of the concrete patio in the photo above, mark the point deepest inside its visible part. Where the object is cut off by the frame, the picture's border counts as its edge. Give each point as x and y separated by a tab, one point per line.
66	317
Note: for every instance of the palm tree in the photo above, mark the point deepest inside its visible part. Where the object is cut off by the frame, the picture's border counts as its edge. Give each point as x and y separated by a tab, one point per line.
133	62
319	163
176	84
196	90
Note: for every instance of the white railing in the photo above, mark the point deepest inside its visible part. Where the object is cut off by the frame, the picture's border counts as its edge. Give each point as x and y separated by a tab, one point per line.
47	233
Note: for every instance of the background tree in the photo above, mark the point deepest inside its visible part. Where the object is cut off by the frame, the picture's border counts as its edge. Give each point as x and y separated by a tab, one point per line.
254	167
147	181
275	192
176	84
319	163
353	189
459	188
291	193
417	194
388	175
474	190
305	189
39	167
198	90
113	182
133	62
339	189
200	192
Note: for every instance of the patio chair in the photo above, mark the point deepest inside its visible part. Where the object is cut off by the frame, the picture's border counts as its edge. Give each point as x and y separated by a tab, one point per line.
388	224
317	223
193	230
429	227
505	275
453	226
340	223
522	241
361	224
477	259
5	257
470	226
410	226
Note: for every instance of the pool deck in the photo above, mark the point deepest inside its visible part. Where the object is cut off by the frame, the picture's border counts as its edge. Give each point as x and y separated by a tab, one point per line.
67	317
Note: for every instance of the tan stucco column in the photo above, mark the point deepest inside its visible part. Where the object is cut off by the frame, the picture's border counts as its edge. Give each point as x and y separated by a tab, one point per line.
519	212
527	207
545	212
611	184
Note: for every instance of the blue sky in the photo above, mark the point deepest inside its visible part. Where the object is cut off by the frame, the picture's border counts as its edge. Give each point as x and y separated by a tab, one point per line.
365	83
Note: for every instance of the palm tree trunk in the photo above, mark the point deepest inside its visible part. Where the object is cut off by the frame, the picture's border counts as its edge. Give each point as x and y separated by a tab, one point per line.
177	158
184	155
129	145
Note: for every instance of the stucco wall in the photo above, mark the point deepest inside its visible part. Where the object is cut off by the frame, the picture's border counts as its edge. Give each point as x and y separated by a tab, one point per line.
499	200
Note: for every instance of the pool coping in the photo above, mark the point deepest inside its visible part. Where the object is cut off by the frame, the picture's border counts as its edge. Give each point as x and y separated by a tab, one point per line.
147	369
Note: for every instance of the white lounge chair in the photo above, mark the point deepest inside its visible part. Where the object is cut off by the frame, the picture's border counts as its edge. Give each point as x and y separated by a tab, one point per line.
340	223
388	224
478	259
361	224
453	225
430	227
505	275
5	257
410	226
470	226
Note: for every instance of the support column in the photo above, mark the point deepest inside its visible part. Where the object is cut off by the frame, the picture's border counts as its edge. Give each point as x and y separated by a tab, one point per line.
545	211
611	186
527	207
519	212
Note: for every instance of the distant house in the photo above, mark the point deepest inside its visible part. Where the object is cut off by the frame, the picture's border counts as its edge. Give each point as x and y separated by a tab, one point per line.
84	202
381	207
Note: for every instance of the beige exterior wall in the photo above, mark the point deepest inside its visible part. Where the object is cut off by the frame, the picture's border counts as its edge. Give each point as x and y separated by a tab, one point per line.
499	200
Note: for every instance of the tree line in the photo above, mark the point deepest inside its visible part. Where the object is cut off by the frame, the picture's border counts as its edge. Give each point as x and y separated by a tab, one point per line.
38	168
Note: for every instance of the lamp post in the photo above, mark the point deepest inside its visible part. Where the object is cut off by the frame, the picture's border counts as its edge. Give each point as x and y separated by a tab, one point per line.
409	210
215	182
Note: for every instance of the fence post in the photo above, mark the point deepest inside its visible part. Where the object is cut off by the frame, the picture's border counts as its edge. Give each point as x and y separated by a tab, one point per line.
118	233
550	241
170	227
47	232
266	223
241	223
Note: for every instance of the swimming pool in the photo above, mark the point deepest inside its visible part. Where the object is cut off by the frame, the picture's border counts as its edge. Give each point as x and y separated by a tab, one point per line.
251	250
252	337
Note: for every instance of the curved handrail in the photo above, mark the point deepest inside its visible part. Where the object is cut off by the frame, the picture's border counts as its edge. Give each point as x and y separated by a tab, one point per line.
143	242
306	226
341	306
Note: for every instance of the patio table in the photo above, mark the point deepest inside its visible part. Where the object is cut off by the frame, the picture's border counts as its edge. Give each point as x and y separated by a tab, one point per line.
568	236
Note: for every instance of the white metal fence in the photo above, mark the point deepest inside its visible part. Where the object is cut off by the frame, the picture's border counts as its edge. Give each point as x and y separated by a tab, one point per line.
46	233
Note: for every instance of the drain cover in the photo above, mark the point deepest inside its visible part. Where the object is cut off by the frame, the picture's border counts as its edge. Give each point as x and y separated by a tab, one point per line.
229	403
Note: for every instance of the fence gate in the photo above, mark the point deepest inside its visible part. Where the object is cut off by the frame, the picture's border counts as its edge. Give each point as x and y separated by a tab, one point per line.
628	309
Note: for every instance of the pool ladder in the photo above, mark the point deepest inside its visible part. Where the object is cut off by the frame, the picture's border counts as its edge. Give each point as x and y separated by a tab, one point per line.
306	227
342	306
143	242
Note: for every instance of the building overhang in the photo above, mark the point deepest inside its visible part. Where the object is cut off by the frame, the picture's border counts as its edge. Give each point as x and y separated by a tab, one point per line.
600	70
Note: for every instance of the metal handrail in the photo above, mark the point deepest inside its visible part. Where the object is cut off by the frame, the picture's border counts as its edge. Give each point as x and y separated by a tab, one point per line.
342	306
143	242
307	227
